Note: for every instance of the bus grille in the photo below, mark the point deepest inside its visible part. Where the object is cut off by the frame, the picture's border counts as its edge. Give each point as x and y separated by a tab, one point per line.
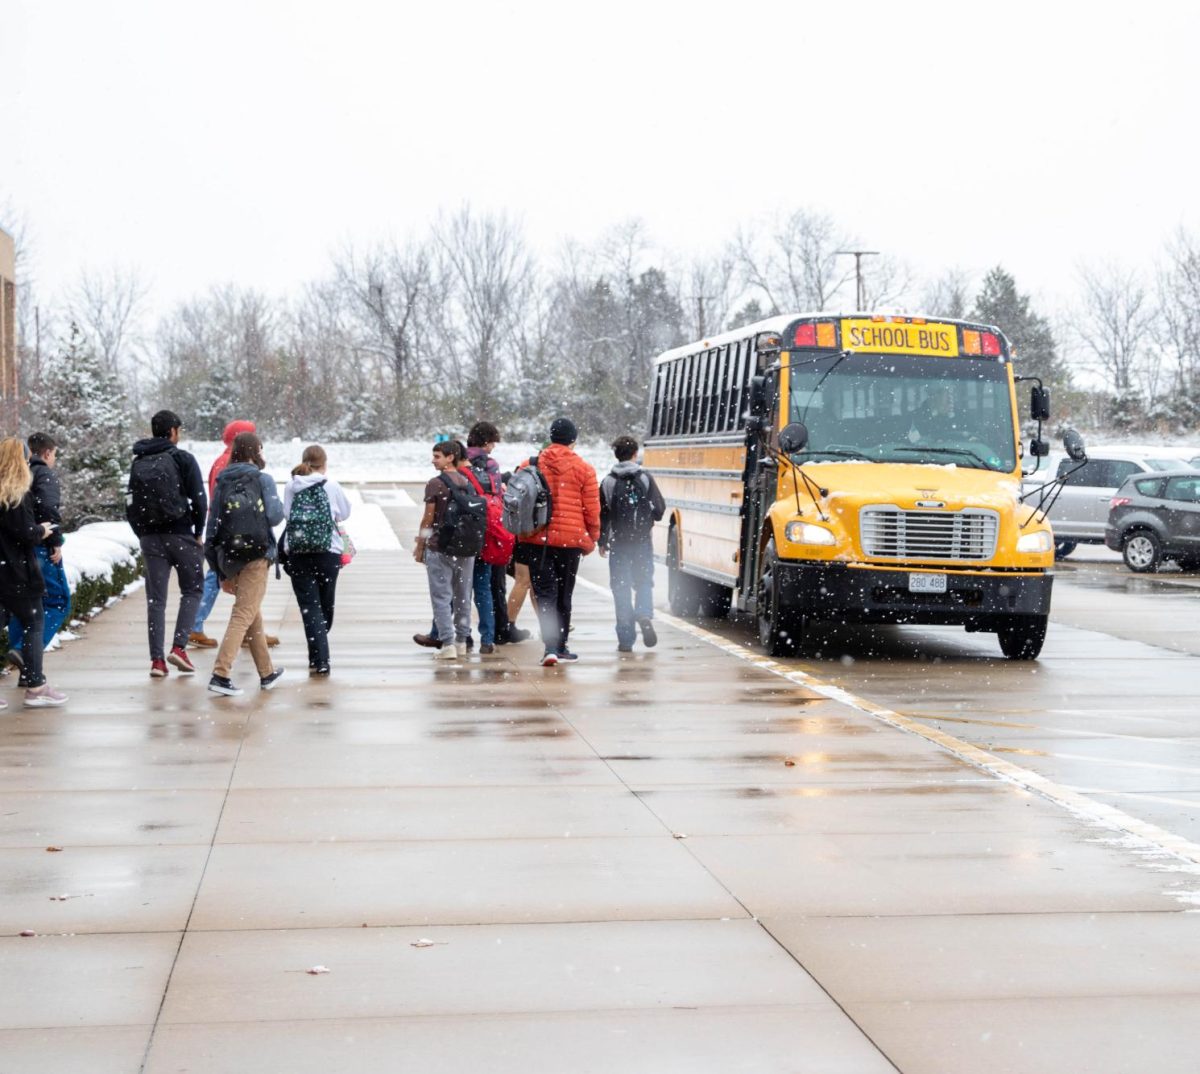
892	533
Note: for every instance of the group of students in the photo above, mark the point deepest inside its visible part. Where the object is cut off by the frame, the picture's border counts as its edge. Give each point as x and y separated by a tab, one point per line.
178	529
538	521
33	584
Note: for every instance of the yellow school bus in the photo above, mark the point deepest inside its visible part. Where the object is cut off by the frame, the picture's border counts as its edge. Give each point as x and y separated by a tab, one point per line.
853	468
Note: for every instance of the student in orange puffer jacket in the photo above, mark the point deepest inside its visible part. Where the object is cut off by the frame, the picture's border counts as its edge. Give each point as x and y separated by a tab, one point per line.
553	554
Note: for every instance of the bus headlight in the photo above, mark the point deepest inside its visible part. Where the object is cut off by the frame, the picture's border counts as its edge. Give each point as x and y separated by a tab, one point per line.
807	533
1035	542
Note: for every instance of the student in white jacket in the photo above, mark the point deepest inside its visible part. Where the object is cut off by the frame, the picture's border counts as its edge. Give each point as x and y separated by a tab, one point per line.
313	505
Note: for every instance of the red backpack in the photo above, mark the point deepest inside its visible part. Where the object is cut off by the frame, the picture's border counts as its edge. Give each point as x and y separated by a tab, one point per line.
498	543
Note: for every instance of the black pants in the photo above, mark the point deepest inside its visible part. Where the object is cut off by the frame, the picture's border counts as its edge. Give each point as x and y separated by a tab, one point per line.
500	602
28	610
163	553
552	578
314	581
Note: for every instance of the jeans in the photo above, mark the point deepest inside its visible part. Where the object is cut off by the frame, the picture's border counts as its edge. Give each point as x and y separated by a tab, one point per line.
56	602
552	574
500	601
212	586
450	580
163	552
481	584
631	579
314	581
245	621
27	609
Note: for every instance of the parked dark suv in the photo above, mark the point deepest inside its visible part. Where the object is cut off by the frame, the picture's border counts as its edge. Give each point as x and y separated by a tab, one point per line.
1156	517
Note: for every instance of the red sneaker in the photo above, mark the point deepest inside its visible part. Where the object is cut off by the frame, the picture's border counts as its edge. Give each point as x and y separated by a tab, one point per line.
158	669
179	658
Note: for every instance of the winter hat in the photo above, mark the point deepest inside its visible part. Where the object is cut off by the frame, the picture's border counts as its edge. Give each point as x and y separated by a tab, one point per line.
562	431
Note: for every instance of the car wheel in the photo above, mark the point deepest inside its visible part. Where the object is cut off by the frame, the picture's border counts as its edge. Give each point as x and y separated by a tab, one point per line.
1063	548
1142	551
779	629
1023	636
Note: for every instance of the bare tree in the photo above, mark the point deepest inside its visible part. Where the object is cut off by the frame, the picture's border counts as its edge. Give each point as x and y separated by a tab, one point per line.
949	295
108	308
1179	302
795	267
1116	324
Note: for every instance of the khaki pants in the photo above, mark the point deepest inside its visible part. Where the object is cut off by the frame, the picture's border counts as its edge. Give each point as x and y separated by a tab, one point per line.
245	621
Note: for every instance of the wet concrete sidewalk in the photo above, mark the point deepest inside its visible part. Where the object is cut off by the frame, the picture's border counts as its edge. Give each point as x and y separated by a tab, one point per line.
667	861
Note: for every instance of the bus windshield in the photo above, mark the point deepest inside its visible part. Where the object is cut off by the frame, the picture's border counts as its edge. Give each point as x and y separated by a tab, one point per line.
900	408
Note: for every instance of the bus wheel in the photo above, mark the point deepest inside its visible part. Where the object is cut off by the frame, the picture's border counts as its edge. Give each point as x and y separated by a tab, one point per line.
716	601
1022	636
683	594
1063	548
779	630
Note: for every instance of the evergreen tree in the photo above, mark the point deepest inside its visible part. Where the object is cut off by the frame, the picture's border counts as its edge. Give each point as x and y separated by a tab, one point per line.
1000	304
751	313
83	407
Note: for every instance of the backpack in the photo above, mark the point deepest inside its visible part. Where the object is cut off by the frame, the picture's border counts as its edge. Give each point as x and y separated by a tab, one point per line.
310	525
156	490
497	541
242	533
527	503
630	510
464	522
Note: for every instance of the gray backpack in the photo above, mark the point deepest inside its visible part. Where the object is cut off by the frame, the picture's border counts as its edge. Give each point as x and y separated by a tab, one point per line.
527	503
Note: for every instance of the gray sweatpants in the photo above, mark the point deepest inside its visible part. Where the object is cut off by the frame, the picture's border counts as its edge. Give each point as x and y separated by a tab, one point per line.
450	594
164	552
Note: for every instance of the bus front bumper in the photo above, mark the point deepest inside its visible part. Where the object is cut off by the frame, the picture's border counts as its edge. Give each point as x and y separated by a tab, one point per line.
837	593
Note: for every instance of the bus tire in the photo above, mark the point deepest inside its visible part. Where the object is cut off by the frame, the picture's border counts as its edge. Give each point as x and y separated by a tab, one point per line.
1021	637
716	601
1064	547
683	593
780	631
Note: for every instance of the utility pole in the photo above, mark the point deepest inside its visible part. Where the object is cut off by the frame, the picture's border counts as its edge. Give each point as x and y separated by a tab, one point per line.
701	325
860	297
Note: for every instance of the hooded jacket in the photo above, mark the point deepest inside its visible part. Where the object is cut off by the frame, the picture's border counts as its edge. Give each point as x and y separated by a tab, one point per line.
574	501
622	470
339	506
222	460
192	524
271	505
47	499
20	534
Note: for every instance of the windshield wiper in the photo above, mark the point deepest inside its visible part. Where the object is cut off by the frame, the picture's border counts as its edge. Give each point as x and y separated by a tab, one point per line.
844	453
948	451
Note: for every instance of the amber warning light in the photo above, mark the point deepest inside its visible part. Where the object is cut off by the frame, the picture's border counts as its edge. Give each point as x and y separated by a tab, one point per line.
985	343
816	334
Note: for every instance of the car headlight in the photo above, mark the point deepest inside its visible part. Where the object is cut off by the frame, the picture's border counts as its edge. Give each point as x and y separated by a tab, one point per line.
1035	542
807	533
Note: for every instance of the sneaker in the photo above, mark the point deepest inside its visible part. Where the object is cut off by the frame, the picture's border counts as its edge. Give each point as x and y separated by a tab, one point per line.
44	697
219	684
320	670
550	660
3	704
14	657
178	657
568	656
486	648
516	634
158	669
462	648
199	640
648	634
269	682
449	652
427	641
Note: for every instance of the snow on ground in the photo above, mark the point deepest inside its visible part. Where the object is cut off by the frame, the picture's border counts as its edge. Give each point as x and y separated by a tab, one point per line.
96	548
368	527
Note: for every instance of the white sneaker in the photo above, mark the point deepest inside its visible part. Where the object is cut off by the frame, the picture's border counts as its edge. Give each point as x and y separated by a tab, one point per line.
446	652
460	647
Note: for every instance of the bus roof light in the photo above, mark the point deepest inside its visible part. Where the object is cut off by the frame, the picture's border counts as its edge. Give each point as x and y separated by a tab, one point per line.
826	334
991	344
806	335
971	344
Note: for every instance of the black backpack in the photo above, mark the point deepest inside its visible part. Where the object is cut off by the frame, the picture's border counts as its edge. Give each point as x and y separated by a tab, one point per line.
464	523
242	533
156	490
631	512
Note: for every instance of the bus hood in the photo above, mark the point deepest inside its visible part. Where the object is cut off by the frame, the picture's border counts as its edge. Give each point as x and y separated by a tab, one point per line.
911	487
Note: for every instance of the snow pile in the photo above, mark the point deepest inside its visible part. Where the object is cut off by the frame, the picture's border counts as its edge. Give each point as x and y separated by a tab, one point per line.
93	550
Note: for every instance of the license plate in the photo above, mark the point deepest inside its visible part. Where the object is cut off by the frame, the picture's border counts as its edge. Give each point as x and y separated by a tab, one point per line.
927	583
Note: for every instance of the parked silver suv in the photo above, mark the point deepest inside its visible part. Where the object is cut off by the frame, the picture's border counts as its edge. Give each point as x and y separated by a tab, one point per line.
1156	517
1080	513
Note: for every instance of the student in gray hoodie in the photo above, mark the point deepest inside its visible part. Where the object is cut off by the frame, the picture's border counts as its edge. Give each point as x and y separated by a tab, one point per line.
315	505
240	545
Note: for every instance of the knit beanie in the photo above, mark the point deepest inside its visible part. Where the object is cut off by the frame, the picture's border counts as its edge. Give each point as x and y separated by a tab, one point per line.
562	431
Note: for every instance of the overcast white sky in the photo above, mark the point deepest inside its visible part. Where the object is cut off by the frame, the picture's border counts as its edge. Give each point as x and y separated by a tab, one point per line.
244	141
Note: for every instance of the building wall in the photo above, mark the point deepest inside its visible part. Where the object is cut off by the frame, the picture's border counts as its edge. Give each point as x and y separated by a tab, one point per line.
8	317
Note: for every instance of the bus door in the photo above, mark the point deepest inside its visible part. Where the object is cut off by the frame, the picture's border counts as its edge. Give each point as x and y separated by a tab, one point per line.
760	482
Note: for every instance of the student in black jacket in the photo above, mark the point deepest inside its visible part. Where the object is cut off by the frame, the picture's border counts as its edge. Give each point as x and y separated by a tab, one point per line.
47	507
167	506
21	584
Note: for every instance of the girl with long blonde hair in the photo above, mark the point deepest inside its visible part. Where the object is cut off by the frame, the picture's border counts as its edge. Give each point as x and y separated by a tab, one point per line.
21	582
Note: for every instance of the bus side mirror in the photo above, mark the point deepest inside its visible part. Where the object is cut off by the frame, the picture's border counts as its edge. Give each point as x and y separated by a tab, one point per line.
758	395
1039	404
792	438
1073	442
1039	449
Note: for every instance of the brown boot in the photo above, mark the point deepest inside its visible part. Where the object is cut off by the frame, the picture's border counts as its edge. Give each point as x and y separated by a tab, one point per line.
272	641
427	641
199	640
